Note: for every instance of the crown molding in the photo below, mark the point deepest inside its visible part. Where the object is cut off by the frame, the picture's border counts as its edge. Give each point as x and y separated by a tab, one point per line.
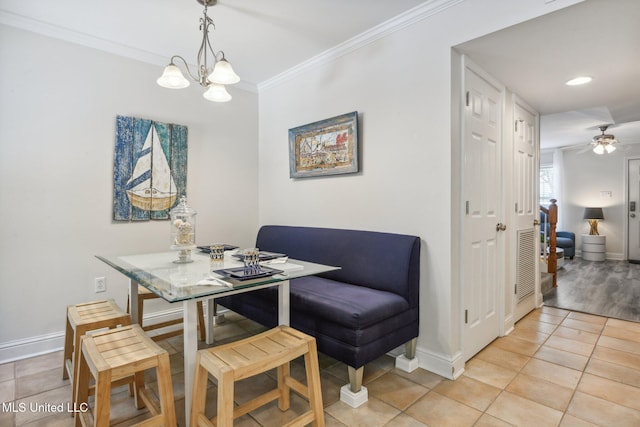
410	17
76	37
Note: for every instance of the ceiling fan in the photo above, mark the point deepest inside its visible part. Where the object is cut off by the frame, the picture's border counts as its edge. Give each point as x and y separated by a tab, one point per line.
604	143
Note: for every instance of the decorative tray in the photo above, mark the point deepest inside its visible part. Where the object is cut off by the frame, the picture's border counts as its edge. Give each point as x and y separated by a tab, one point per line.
264	255
207	249
247	273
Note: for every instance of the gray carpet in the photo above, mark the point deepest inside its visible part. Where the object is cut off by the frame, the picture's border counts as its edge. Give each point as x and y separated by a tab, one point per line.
610	288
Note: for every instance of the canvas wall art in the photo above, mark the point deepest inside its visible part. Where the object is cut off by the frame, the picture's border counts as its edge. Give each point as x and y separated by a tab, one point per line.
150	168
327	147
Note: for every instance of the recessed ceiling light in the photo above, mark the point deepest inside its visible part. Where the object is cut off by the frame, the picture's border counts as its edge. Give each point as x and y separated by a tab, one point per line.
578	81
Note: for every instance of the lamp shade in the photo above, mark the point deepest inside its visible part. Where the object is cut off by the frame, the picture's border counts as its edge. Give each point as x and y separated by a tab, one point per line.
172	78
593	213
223	73
217	93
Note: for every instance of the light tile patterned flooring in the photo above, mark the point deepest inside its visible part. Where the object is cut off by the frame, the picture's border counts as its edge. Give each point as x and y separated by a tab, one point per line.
556	368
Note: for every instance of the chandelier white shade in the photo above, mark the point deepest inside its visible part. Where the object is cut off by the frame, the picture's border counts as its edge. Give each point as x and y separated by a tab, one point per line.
217	93
212	76
172	78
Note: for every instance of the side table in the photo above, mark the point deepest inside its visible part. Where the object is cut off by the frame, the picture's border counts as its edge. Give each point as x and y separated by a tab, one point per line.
594	247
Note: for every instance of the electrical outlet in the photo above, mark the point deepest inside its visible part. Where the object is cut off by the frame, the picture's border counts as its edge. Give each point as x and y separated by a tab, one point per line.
100	284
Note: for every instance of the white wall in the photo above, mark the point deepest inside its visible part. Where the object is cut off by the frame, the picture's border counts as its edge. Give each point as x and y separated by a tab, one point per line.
401	86
586	175
58	104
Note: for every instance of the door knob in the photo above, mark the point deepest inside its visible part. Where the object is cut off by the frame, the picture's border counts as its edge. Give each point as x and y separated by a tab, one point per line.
500	227
536	222
632	215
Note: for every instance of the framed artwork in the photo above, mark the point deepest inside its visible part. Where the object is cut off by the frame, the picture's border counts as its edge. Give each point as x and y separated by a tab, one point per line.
327	147
150	168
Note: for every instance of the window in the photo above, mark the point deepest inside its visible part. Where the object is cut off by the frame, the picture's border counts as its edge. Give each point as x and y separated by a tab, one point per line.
546	184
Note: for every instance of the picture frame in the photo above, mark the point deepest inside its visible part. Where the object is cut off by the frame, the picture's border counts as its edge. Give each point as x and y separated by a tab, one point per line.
326	147
149	168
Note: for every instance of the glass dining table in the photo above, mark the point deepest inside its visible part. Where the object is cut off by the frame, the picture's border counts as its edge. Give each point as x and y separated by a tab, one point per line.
188	283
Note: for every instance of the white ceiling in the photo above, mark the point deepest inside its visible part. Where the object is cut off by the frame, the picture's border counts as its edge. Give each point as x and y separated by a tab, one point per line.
597	38
600	38
259	38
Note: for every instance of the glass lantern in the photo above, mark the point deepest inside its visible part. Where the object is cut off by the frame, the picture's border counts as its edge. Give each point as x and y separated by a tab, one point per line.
183	230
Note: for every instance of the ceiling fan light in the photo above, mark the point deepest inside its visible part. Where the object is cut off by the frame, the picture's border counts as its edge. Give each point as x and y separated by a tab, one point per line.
578	81
609	148
172	78
223	73
598	149
217	93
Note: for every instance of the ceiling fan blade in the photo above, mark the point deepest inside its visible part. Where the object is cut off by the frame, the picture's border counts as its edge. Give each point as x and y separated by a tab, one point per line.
585	150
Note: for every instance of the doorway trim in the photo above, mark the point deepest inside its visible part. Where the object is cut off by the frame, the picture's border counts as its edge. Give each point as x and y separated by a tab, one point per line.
625	203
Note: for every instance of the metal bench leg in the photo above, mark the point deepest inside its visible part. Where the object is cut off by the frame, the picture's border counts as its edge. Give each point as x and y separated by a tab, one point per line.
410	348
355	378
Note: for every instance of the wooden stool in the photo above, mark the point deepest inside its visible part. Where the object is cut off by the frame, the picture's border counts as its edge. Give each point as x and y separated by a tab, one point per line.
82	318
145	294
119	353
246	358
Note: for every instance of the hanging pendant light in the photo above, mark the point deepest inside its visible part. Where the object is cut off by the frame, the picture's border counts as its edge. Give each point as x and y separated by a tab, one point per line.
212	76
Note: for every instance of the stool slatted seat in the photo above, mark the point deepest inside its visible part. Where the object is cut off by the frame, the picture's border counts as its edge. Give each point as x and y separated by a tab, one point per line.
120	353
254	355
83	318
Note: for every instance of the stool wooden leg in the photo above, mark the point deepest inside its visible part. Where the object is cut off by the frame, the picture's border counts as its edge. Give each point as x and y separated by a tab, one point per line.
284	401
82	391
202	331
140	310
102	410
165	390
199	395
68	348
225	399
77	349
313	384
134	389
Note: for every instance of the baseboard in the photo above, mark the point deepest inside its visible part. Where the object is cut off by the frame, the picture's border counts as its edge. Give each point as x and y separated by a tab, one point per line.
25	348
11	351
448	367
614	256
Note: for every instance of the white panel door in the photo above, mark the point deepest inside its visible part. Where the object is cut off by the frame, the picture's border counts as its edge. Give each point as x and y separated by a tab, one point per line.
526	206
482	243
633	210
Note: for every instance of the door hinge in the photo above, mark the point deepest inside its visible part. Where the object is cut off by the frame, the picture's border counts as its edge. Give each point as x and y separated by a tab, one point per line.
516	126
467	98
516	207
515	289
466	317
466	207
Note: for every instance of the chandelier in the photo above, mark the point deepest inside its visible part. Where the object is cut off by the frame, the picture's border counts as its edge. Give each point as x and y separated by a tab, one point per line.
604	143
214	71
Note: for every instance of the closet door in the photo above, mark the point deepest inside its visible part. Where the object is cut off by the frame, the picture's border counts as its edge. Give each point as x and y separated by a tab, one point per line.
482	224
526	208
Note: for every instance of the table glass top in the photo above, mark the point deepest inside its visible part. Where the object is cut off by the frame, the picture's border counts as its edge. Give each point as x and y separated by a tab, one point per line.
177	282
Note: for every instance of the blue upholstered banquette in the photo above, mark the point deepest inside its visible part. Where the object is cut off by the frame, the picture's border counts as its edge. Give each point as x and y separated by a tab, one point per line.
357	313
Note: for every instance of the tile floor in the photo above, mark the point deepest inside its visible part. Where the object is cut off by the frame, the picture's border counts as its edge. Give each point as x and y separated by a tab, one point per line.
557	368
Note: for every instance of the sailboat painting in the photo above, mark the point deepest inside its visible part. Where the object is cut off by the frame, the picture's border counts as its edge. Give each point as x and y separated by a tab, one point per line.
150	168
